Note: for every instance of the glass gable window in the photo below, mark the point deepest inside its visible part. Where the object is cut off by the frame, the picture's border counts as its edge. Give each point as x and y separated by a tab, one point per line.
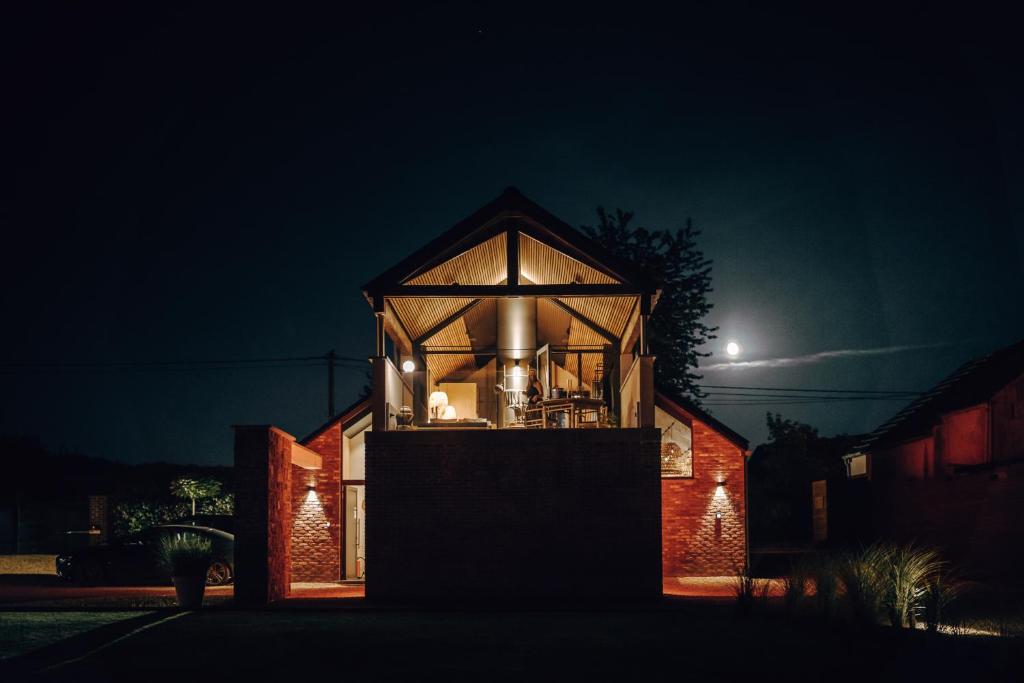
675	461
676	447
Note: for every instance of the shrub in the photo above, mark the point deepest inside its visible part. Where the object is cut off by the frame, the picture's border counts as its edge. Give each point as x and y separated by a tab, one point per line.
746	591
794	587
909	570
825	574
186	554
863	574
940	592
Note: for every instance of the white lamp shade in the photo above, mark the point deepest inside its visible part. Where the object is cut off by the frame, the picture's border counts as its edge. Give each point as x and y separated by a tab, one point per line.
449	413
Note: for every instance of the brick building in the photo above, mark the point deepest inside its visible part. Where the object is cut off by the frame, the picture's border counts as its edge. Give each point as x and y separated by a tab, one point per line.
514	444
948	470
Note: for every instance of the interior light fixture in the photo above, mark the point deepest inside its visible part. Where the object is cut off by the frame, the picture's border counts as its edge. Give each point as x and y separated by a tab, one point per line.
437	402
408	365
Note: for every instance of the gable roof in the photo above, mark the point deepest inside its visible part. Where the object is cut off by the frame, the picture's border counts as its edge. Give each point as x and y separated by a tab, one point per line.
972	383
359	409
672	402
484	223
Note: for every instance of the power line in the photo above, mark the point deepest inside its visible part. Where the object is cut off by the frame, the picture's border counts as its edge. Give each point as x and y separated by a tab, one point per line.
822	391
799	401
171	363
823	397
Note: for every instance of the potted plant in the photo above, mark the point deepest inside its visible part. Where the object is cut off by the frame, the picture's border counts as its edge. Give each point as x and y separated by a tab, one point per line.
188	557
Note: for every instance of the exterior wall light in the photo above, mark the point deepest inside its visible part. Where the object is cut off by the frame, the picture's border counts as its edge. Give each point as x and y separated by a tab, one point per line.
408	365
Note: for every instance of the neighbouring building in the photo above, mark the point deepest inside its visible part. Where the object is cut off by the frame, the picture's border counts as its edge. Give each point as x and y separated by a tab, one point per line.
514	444
948	470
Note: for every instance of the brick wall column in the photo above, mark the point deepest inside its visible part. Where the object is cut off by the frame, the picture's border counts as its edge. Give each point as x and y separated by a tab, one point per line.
262	514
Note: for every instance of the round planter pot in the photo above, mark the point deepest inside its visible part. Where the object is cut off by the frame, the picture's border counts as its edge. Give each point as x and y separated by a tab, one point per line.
190	590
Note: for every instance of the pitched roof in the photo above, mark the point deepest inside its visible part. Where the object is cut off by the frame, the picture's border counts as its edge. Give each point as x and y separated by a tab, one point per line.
510	203
354	412
667	399
972	383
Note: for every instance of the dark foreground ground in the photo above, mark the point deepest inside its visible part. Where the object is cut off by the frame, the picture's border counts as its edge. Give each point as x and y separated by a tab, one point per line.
674	640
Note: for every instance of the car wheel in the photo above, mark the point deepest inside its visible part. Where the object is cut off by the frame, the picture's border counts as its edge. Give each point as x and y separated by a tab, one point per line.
218	574
89	573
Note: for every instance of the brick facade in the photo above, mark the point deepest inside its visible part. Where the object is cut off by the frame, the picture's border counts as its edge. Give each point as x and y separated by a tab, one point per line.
695	541
513	513
99	516
316	513
263	514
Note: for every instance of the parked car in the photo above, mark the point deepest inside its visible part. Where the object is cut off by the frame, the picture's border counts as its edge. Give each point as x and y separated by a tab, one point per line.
219	522
135	559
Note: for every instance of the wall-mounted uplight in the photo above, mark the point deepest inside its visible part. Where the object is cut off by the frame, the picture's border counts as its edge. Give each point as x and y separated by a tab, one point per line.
408	365
718	515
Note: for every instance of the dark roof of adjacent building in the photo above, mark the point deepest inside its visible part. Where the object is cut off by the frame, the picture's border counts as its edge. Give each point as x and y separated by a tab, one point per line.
665	397
972	383
346	417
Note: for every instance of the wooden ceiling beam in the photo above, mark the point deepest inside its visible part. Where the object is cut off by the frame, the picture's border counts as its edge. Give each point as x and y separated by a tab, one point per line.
498	291
585	320
446	322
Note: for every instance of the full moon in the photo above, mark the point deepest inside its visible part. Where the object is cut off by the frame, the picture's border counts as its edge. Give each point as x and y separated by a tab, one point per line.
732	349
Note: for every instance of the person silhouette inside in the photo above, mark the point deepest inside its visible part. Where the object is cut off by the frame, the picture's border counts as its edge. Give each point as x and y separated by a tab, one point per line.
534	389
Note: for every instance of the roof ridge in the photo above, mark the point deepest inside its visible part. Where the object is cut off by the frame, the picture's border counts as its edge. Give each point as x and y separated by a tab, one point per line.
965	385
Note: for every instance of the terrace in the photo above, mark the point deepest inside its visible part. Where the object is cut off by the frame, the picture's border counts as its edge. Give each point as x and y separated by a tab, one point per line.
512	320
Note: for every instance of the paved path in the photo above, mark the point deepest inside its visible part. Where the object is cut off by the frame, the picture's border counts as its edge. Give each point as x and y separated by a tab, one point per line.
49	593
53	594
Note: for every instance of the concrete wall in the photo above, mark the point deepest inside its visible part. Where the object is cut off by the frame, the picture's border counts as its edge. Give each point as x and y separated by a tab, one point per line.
465	514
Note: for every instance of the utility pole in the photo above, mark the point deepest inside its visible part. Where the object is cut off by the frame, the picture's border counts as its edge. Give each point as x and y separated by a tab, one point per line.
330	383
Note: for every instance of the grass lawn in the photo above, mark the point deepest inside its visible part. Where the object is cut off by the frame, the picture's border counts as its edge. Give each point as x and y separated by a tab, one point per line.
27	564
677	642
22	632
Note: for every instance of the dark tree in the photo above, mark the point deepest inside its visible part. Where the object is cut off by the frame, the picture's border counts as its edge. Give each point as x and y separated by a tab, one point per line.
677	329
780	475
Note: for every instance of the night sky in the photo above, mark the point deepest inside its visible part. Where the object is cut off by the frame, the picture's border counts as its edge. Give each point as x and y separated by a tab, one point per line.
195	186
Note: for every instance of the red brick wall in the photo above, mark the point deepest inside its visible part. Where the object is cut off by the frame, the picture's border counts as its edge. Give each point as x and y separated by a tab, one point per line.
316	514
507	514
694	541
262	514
